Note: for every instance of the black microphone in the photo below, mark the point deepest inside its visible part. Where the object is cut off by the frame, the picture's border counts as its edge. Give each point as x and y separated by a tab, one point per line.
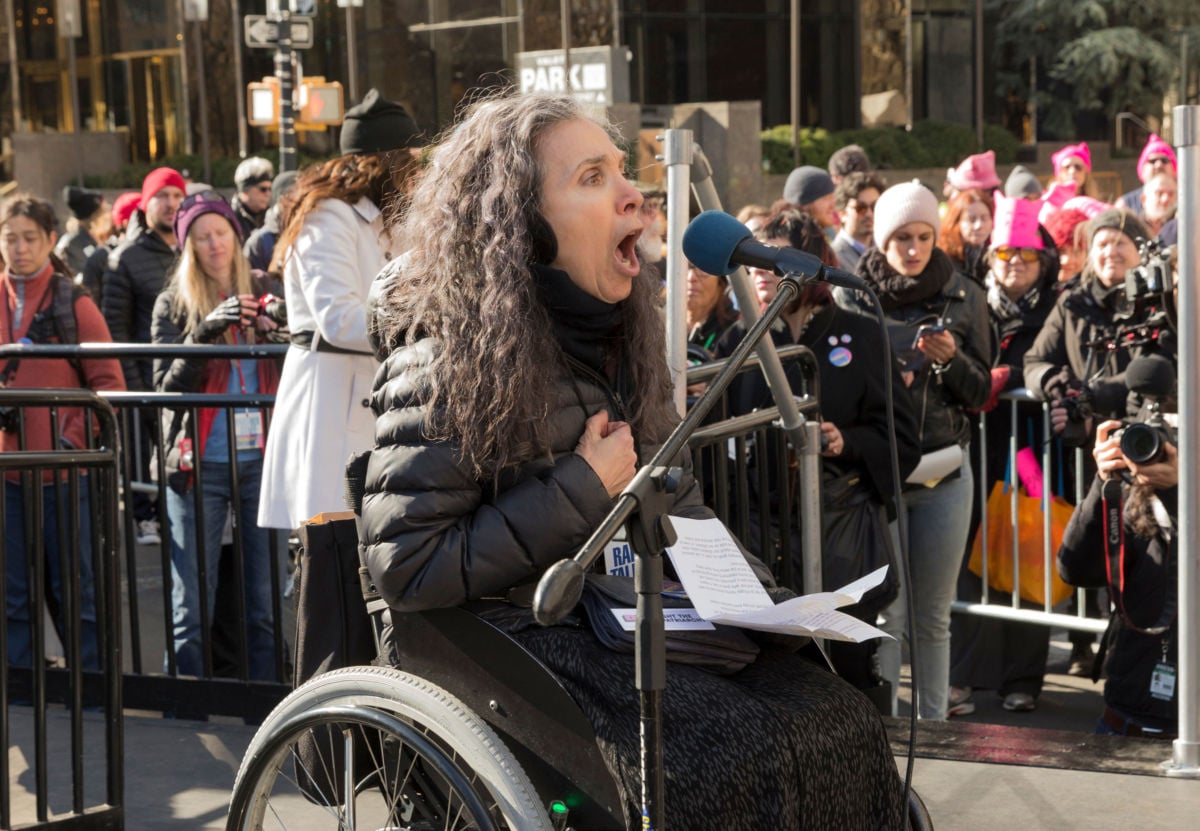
1151	375
717	243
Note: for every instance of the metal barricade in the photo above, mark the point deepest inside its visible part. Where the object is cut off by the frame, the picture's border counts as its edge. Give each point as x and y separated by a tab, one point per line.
152	678
60	514
721	452
1052	456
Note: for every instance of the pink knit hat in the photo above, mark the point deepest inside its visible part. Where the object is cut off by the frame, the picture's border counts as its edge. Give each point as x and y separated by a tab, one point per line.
1058	193
1155	146
1079	151
976	172
1087	204
1015	223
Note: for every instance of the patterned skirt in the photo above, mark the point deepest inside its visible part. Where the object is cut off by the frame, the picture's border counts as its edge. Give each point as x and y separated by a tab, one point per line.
783	744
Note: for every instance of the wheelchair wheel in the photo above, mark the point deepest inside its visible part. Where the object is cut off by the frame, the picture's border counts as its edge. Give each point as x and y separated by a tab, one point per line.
409	755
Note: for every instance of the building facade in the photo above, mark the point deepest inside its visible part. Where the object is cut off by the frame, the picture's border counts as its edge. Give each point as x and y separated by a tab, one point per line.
134	73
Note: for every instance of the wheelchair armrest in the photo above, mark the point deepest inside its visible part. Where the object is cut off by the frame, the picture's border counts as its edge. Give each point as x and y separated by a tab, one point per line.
519	697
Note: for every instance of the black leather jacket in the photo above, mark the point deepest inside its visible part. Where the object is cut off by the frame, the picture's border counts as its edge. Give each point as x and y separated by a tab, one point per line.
940	398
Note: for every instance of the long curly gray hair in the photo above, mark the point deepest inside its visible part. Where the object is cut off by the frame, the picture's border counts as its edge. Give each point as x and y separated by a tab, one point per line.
472	230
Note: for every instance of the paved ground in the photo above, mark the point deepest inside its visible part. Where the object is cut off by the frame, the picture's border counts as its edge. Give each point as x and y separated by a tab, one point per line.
178	774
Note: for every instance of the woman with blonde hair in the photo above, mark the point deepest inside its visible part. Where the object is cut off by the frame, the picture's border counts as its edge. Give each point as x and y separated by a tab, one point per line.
213	298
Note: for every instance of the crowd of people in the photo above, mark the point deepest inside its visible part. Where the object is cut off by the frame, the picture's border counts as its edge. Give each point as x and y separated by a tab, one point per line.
1006	284
502	373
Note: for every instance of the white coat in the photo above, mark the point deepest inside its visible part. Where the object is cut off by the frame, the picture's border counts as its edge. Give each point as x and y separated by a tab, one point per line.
322	410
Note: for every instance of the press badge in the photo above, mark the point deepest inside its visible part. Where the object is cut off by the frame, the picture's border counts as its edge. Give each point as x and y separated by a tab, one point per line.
249	427
1162	682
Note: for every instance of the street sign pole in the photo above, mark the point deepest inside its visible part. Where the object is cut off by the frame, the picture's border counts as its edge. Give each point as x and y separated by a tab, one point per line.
287	115
202	90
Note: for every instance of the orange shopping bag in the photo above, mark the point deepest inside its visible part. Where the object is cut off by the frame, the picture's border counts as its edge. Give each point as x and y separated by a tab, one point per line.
1029	530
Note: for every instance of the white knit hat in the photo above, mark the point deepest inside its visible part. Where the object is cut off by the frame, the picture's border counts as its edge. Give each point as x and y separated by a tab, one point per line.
901	204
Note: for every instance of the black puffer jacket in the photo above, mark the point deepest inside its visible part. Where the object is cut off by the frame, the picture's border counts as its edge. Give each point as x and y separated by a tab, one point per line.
435	537
1084	315
1148	589
940	399
136	272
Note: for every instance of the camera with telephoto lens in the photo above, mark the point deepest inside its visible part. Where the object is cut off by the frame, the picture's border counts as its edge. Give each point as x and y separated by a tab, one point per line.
1143	443
1143	440
1148	298
273	308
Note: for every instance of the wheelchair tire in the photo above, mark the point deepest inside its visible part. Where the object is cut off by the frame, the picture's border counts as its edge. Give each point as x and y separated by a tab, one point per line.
431	762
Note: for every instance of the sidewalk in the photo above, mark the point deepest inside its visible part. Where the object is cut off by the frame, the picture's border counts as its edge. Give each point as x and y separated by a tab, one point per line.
179	774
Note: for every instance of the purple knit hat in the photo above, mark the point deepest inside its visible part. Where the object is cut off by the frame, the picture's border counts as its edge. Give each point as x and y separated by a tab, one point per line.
198	204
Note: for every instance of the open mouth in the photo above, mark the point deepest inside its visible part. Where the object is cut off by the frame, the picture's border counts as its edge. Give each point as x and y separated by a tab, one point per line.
626	253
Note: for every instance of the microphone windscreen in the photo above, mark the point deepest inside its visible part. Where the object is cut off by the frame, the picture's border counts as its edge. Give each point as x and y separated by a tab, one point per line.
710	240
1152	375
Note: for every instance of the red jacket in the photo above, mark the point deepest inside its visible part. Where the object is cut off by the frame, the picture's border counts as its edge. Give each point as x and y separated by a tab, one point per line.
99	373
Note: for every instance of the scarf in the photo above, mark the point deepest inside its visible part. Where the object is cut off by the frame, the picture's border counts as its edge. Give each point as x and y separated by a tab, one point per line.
895	290
587	328
1003	307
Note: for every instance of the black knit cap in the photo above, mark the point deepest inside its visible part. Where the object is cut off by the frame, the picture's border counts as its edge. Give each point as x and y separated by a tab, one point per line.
377	125
83	203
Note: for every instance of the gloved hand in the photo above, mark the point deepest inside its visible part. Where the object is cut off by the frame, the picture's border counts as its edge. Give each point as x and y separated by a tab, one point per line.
228	313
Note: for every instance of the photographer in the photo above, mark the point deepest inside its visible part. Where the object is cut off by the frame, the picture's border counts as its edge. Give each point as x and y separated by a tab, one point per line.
1076	364
213	298
1078	360
1142	637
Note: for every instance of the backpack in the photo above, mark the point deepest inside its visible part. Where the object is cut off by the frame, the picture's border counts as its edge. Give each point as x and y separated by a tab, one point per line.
58	319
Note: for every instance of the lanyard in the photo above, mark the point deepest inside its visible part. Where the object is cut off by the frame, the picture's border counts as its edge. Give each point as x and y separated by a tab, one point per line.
1114	562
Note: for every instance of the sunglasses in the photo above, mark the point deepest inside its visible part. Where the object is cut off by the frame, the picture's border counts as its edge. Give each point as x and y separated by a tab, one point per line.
1029	255
861	208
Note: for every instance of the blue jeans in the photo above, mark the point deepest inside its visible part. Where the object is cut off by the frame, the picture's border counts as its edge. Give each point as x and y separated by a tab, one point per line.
185	569
938	523
18	550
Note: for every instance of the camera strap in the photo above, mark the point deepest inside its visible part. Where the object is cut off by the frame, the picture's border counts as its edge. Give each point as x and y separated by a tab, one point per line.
1114	560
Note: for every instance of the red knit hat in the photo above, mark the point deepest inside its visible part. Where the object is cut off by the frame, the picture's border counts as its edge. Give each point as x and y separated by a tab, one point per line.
156	180
1063	224
123	208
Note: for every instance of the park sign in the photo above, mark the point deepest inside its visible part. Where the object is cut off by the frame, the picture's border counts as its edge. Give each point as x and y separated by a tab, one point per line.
599	74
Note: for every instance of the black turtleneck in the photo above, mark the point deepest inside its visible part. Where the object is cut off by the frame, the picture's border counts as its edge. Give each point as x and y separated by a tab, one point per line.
587	328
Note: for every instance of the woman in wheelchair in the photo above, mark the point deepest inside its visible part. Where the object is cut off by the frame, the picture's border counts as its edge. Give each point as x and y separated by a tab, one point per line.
523	385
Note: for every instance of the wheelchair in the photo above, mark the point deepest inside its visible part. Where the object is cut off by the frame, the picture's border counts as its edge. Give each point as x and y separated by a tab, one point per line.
475	733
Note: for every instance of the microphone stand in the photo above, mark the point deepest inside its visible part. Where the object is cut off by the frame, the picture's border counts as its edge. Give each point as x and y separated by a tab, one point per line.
804	435
643	505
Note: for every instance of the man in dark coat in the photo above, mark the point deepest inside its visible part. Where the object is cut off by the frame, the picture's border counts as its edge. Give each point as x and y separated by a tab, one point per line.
136	272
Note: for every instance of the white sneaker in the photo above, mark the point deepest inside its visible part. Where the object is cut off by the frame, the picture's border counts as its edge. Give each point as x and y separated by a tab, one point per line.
147	532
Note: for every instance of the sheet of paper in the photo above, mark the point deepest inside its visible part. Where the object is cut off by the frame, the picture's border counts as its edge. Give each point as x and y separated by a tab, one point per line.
711	567
674	620
936	465
723	588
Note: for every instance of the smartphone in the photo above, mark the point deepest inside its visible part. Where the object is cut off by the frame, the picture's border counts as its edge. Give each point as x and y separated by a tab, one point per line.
929	329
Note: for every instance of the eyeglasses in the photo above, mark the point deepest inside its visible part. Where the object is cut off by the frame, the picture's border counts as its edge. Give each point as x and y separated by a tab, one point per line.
652	206
1029	255
263	188
861	208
